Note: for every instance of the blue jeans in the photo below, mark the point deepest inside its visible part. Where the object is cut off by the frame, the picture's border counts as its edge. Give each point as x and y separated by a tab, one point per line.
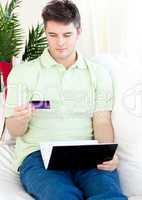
89	184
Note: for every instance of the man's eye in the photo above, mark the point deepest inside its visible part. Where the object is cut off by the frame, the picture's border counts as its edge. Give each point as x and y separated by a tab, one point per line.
67	35
52	35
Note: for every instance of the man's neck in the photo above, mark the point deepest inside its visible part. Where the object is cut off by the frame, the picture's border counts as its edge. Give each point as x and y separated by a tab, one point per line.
68	61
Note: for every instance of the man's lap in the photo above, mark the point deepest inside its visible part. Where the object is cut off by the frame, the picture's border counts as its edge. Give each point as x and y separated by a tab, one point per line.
74	185
50	183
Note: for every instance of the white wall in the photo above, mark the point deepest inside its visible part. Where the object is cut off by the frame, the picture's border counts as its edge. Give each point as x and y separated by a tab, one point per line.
107	24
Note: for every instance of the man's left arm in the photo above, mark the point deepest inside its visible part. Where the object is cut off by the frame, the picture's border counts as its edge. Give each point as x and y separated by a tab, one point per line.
104	133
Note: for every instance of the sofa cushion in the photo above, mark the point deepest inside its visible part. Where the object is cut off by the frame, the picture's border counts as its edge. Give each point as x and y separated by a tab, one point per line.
5	137
11	187
127	119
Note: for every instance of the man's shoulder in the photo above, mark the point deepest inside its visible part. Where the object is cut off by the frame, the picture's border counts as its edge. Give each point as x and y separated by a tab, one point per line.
98	72
24	71
28	66
95	66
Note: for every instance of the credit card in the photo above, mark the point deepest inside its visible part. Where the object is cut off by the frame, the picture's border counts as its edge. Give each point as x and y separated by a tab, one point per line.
41	104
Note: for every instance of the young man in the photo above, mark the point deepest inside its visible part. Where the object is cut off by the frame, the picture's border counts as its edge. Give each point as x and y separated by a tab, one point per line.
62	76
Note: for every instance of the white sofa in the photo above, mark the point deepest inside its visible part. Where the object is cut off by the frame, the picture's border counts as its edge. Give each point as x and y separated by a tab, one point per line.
127	120
126	117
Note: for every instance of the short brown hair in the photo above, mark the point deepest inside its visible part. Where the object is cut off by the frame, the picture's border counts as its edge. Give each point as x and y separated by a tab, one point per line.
64	11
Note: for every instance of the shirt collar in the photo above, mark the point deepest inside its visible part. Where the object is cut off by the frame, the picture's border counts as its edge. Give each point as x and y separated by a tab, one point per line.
48	61
80	63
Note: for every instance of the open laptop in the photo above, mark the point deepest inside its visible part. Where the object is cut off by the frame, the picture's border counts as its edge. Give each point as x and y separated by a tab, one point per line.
84	156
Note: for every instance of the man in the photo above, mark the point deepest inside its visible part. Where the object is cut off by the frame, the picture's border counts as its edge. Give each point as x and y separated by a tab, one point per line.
62	76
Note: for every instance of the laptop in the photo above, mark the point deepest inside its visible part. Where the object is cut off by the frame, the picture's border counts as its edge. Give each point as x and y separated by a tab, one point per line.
76	156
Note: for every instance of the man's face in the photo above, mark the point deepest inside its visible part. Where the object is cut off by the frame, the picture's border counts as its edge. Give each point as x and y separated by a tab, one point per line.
61	39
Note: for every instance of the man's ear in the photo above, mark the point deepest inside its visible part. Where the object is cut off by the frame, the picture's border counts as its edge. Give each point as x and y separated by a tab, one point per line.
79	30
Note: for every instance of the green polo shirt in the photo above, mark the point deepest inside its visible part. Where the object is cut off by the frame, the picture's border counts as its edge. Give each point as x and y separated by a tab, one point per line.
73	94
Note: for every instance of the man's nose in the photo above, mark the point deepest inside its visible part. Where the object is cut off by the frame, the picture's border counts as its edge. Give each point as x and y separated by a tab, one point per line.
60	41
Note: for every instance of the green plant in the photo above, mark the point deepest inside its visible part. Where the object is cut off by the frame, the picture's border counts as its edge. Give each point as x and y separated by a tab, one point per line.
10	31
36	43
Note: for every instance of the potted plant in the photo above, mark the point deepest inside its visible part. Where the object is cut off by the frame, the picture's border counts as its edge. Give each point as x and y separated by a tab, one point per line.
36	43
10	36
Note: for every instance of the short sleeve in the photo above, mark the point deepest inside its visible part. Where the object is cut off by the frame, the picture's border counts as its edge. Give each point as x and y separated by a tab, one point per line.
17	91
103	90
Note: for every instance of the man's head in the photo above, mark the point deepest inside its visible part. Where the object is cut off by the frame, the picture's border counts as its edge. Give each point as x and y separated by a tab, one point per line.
62	11
62	27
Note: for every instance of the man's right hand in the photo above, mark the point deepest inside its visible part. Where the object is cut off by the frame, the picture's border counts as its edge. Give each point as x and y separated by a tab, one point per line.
24	113
18	123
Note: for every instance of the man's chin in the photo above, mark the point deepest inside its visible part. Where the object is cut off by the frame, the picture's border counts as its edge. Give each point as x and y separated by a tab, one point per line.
61	57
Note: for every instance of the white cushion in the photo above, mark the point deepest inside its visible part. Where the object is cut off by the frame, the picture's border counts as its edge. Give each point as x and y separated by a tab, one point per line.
127	120
135	198
5	137
10	186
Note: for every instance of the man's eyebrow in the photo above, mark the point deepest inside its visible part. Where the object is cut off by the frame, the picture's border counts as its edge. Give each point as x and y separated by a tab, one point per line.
68	33
51	33
57	33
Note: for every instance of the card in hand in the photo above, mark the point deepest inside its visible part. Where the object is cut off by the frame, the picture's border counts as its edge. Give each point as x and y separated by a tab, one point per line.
41	104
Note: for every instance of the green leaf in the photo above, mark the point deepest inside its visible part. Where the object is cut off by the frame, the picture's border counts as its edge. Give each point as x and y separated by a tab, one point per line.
10	31
36	43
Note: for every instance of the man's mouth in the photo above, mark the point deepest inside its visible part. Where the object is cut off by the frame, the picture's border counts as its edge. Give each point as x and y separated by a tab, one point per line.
60	50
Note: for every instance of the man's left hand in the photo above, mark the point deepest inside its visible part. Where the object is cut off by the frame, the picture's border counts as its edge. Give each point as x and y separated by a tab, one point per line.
109	165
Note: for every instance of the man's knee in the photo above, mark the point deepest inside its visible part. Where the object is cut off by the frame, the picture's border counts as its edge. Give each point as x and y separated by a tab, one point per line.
42	190
56	192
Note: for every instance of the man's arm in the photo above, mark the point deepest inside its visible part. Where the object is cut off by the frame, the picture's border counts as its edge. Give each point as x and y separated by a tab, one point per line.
18	123
102	126
104	133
